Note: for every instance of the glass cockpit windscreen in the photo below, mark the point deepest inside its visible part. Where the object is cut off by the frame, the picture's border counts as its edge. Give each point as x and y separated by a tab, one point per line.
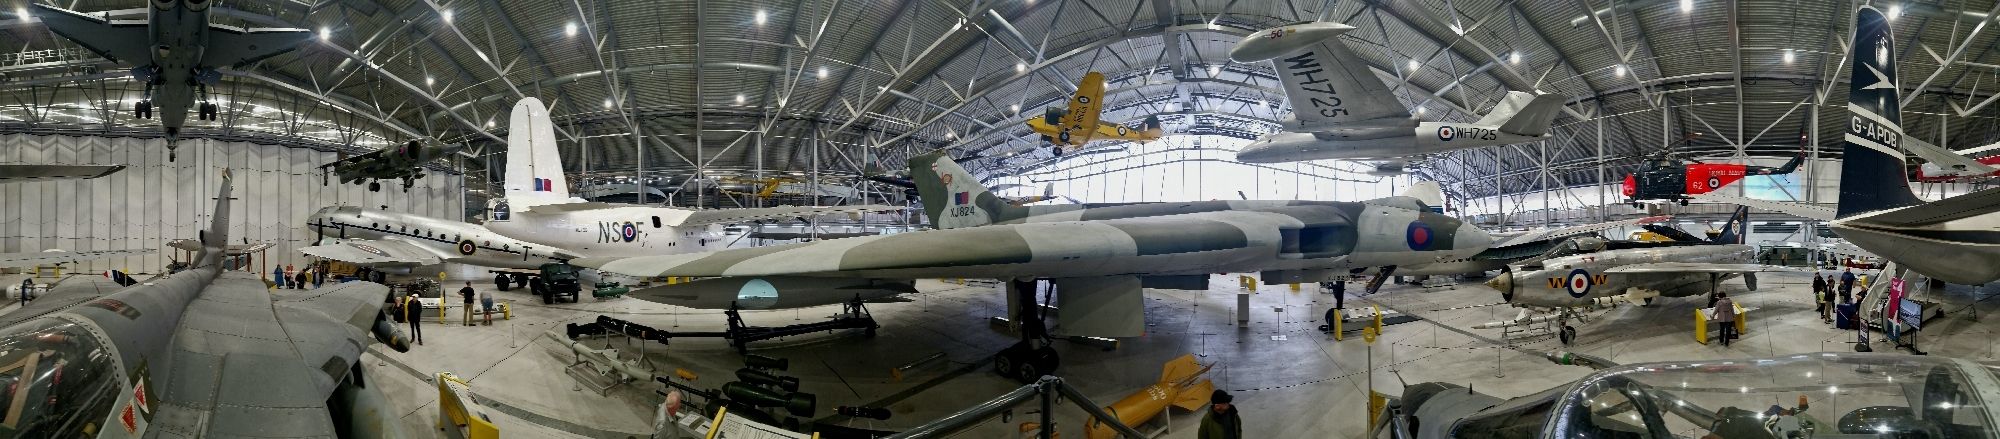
1822	395
56	381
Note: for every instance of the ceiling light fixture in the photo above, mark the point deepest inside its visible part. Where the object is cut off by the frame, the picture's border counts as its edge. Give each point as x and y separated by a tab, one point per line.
1788	56
1619	71
1514	58
822	72
1687	6
447	15
761	15
739	98
569	29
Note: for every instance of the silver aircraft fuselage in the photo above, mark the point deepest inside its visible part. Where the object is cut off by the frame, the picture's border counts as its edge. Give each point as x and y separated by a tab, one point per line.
443	237
1374	143
1578	280
180	37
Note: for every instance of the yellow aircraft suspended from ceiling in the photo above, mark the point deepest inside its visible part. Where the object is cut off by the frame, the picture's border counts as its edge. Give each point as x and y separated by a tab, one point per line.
1079	125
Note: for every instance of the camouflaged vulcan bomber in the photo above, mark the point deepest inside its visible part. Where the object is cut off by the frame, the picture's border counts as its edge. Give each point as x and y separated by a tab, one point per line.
1099	256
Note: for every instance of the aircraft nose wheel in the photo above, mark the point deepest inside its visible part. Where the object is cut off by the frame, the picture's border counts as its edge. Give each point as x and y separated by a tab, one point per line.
1567	335
208	111
374	186
1026	364
143	110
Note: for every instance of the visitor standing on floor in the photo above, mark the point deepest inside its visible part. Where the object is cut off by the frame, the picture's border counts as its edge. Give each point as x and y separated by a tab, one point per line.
27	291
1847	285
1725	314
278	276
1819	296
1832	306
468	294
413	310
1222	421
485	303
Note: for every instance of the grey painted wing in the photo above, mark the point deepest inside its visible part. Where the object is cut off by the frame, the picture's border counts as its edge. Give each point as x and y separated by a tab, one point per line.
373	253
122	41
60	257
228	46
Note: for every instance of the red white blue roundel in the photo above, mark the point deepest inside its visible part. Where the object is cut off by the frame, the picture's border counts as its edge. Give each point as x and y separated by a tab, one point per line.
628	232
1419	236
1578	283
1446	133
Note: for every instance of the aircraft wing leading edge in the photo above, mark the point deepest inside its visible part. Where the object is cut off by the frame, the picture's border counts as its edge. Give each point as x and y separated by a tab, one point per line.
121	41
724	216
8	260
1693	267
233	47
1954	208
374	253
1951	161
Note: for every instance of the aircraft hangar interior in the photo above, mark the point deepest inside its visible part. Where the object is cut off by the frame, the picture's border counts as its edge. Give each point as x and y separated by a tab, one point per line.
1205	219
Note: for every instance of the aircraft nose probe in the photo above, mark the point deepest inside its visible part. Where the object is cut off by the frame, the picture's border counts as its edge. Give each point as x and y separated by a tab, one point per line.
1505	283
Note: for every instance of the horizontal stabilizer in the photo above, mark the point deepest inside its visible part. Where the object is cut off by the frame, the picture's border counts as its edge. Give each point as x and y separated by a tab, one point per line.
1801	210
1693	267
23	173
1954	208
1952	162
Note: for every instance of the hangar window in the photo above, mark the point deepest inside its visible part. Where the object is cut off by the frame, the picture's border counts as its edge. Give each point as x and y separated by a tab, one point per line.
656	222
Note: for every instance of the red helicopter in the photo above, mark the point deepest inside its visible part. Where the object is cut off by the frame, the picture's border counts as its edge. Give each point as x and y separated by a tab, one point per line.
1666	178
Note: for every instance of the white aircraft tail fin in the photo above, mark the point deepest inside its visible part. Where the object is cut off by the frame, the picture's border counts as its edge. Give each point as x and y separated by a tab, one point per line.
534	168
1524	113
1427	192
1330	86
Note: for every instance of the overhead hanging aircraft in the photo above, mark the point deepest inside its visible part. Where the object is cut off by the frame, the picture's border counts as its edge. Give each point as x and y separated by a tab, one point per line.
1340	110
404	162
176	51
1079	125
1877	211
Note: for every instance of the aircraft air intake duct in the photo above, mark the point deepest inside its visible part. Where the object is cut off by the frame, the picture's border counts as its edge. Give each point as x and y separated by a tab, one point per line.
196	5
166	5
798	404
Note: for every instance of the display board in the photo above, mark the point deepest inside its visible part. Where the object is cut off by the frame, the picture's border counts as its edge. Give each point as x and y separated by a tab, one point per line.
153	200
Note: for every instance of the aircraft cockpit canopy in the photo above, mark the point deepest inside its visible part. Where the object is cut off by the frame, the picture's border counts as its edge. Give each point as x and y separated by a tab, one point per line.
56	380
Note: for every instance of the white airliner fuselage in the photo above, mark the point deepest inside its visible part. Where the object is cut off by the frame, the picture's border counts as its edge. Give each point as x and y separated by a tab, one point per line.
621	231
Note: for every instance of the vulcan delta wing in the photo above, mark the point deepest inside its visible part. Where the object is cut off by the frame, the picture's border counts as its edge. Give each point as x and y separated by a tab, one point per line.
203	352
26	173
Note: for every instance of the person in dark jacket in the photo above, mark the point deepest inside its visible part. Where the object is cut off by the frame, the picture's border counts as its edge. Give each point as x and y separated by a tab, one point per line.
468	293
1725	315
1847	285
1832	306
299	280
278	276
1819	286
1221	422
414	311
27	291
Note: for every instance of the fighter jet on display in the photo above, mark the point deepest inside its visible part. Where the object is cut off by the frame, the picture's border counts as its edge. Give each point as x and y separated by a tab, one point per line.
403	162
538	207
176	52
1340	110
1877	211
204	352
1079	125
1588	271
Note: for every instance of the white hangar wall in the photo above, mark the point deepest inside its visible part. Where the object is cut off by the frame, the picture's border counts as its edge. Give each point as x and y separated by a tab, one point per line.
153	201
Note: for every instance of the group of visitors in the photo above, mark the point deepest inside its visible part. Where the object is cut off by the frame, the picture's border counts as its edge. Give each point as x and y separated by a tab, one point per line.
411	310
292	277
1845	311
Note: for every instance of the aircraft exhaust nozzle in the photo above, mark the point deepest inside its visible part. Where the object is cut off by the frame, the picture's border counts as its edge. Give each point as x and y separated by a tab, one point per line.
1504	283
196	5
1280	41
166	5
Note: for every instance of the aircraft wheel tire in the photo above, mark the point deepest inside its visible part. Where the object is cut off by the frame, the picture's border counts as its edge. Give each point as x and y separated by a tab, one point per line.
500	280
374	186
548	297
1649	301
1004	362
1567	335
1028	372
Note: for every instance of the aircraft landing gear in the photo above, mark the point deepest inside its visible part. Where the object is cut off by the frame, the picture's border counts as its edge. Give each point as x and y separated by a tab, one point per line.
207	111
501	281
1567	335
374	186
1032	357
143	110
408	182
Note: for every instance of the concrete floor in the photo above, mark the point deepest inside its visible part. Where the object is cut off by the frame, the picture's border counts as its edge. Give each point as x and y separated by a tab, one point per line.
1289	379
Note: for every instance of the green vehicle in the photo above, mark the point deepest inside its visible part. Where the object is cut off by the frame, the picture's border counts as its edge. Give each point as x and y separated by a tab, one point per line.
556	279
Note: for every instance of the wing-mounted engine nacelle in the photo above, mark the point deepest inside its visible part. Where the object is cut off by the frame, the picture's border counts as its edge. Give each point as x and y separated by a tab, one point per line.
776	292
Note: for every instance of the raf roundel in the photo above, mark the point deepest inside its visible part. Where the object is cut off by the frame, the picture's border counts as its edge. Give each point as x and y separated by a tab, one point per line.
1714	183
1446	133
628	231
1419	236
466	247
1578	283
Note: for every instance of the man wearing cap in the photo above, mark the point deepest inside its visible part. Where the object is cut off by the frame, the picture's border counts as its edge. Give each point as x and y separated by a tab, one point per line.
1221	422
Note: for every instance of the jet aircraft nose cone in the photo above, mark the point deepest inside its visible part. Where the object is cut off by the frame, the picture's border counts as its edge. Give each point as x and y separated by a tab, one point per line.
1505	283
1261	151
